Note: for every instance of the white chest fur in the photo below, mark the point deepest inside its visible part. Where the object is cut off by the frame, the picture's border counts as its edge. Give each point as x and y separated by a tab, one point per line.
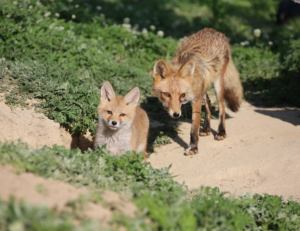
117	142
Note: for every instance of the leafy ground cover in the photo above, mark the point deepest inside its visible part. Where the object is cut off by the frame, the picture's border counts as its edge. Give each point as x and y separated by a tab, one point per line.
61	52
18	215
169	205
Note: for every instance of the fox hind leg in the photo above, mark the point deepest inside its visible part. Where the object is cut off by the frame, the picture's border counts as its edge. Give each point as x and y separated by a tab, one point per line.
205	131
219	90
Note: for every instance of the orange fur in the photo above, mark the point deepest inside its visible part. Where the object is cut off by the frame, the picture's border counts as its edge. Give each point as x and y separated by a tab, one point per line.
122	125
201	59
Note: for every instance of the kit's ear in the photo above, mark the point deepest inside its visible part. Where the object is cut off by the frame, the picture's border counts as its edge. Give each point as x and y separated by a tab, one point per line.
132	97
161	71
107	92
187	71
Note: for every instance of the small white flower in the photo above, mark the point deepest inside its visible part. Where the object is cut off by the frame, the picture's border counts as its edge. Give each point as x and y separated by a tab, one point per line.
126	20
70	0
270	43
47	14
57	15
15	2
160	33
246	43
152	27
73	16
257	32
99	8
127	26
38	3
102	15
242	43
145	31
76	6
60	28
29	7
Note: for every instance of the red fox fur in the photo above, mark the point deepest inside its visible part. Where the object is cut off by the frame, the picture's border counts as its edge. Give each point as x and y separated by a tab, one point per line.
122	125
201	59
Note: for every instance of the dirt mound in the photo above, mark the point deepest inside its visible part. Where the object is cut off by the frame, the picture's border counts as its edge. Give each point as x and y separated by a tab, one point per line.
37	130
34	129
260	154
55	194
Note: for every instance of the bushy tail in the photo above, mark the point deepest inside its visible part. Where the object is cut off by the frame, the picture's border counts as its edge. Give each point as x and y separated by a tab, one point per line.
233	93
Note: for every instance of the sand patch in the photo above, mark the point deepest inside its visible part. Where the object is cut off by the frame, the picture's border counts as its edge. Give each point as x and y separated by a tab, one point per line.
56	195
260	154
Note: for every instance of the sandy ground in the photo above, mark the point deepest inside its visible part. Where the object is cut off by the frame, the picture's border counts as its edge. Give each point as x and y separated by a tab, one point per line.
261	154
55	194
36	129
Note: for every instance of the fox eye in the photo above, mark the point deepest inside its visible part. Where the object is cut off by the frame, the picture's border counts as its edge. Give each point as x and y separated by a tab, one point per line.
167	94
182	95
122	114
109	112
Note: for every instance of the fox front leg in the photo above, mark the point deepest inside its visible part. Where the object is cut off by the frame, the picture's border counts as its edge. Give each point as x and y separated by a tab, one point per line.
193	147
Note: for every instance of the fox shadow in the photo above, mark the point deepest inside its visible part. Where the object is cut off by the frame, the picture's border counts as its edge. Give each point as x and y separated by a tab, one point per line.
163	127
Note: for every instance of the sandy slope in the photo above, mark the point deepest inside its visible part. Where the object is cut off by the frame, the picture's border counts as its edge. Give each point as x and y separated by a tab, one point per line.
55	194
260	154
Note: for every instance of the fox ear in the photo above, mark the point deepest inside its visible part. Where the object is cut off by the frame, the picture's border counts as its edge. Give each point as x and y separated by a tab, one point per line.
187	71
107	92
133	96
161	70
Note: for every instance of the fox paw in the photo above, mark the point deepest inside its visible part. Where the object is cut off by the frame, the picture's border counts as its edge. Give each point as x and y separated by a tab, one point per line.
221	135
191	151
204	132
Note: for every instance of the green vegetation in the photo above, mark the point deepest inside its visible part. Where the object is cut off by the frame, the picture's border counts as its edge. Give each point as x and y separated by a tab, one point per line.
61	52
63	61
169	205
18	216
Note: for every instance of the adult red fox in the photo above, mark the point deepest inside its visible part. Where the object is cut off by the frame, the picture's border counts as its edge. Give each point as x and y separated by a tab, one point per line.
122	125
201	59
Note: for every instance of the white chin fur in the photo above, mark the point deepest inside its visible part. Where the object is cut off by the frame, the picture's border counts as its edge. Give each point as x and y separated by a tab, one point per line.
113	128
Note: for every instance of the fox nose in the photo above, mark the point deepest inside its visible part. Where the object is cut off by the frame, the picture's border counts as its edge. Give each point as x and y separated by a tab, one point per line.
176	115
114	123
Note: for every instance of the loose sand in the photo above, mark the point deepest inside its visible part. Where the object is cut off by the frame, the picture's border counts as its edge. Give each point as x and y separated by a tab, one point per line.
261	154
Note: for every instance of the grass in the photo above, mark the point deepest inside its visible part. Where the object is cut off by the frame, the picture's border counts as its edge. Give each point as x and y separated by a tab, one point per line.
61	52
64	61
19	215
168	205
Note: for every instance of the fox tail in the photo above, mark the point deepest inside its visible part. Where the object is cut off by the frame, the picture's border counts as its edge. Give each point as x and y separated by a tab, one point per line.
233	90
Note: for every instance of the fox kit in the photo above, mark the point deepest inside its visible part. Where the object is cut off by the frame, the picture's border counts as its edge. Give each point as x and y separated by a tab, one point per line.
201	59
122	125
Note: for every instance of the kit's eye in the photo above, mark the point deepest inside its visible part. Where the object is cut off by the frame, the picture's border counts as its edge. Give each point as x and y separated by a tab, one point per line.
122	114
109	112
167	94
182	95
